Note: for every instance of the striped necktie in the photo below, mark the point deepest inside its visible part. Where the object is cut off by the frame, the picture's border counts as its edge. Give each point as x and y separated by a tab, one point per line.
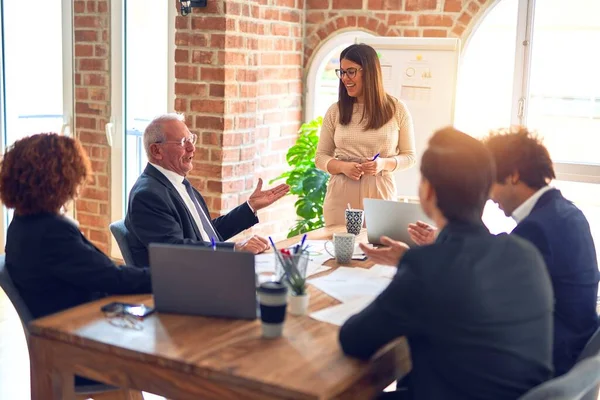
206	223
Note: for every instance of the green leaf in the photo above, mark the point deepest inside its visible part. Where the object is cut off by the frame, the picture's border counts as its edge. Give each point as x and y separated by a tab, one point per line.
305	180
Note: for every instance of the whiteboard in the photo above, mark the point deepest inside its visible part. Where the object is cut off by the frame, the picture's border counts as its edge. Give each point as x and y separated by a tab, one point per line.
422	72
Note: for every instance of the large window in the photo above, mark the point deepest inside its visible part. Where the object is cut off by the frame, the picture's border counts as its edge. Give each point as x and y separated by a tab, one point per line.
322	85
536	64
142	65
36	91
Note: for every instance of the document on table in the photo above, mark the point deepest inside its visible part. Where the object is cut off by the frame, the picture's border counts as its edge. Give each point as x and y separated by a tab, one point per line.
385	271
348	284
337	315
265	263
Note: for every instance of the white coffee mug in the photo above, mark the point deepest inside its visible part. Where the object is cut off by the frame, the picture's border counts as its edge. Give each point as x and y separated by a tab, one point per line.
343	247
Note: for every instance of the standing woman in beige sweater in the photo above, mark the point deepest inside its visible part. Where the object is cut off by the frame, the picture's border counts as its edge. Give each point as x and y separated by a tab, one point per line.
365	122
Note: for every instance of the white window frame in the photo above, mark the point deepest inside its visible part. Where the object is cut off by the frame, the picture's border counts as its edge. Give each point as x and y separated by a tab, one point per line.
315	69
115	128
68	105
576	172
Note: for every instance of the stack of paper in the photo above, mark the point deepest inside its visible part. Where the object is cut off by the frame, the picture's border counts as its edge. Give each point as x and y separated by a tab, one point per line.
347	284
337	315
356	288
384	271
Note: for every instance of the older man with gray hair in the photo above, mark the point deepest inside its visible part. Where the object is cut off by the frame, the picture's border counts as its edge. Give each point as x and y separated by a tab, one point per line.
165	208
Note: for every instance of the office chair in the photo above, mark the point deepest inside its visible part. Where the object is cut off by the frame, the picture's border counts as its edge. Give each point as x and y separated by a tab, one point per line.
580	381
97	392
120	232
591	349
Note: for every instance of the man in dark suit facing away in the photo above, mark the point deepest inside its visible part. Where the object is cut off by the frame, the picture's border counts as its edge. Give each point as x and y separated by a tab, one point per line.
476	308
555	226
165	208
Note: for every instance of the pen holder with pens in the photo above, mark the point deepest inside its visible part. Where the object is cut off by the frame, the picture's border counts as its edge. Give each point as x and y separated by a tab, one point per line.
290	269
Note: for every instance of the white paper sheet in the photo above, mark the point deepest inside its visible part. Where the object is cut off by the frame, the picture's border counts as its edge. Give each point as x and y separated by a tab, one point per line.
348	284
337	315
384	271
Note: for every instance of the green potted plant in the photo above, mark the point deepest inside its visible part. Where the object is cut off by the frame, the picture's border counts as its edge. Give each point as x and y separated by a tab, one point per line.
294	265
305	180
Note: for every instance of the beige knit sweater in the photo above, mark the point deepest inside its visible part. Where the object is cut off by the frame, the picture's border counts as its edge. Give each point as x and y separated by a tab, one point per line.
351	142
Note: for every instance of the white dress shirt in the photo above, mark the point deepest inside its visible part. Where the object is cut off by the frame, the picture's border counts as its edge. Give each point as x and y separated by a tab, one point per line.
177	181
525	209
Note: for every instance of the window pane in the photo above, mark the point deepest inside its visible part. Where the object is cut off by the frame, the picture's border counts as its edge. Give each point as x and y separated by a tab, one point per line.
327	84
495	220
485	80
564	98
33	71
146	62
33	68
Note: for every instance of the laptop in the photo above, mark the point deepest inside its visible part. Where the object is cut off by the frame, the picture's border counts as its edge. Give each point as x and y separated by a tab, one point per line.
200	281
391	218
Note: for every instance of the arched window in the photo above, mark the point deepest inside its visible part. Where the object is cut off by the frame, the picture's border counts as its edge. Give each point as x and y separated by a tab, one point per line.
322	84
535	64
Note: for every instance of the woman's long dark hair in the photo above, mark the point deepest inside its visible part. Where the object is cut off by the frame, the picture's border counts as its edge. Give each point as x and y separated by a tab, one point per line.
379	106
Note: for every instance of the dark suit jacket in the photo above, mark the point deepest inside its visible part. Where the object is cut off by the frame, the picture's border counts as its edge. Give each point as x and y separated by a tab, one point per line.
54	267
158	214
562	234
477	312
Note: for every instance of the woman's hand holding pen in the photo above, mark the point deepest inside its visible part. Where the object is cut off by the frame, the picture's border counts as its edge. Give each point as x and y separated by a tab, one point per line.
375	166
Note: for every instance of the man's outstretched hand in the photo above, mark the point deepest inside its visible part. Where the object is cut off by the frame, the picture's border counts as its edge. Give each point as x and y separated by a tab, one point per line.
388	255
264	198
422	233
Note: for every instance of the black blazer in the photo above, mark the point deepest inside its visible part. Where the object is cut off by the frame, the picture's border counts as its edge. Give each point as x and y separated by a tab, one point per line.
158	214
562	234
54	267
476	310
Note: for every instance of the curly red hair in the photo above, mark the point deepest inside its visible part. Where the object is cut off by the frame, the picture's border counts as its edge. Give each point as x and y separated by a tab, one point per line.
41	173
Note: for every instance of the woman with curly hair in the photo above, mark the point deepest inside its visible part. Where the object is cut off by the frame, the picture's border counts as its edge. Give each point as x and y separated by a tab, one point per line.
53	266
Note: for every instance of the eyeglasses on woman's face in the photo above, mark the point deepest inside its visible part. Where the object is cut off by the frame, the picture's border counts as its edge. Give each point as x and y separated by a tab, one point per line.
184	141
350	72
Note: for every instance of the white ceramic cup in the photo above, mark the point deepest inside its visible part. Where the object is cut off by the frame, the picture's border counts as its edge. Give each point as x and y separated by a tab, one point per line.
343	247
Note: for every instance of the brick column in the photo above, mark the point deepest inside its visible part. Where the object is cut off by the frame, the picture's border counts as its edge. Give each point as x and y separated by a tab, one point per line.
239	82
91	21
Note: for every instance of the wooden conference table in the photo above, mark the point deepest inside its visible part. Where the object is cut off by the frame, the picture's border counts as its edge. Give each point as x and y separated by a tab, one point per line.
189	357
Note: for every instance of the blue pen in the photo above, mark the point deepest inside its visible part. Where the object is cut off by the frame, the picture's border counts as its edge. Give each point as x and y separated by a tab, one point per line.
213	243
302	241
273	244
375	158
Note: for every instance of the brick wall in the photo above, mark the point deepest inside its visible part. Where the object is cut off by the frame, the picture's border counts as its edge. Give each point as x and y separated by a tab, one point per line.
424	18
239	69
92	110
239	82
